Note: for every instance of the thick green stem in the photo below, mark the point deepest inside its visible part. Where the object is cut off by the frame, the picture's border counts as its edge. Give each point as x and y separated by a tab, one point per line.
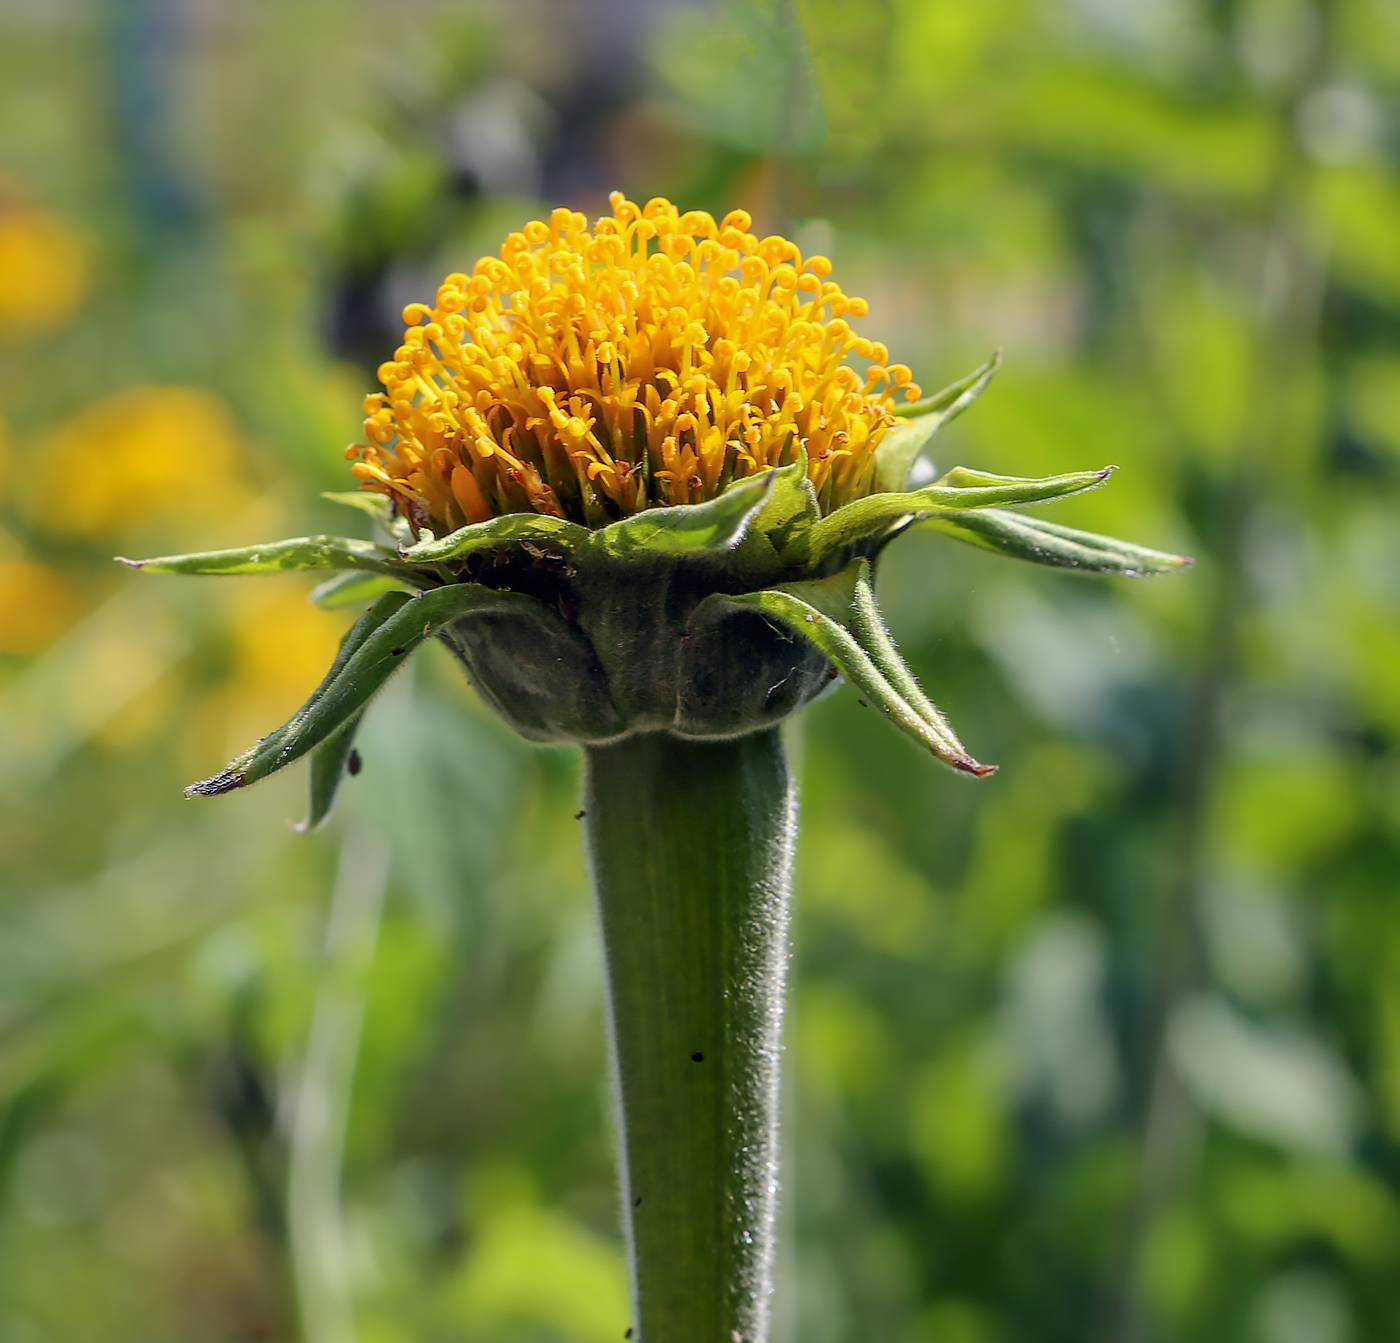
691	845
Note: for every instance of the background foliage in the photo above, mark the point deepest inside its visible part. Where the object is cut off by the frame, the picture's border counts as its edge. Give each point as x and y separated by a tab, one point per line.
1106	1047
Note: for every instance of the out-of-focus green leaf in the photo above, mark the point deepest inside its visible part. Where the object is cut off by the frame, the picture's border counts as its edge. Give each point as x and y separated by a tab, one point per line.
348	589
847	43
1041	542
375	505
742	72
1109	120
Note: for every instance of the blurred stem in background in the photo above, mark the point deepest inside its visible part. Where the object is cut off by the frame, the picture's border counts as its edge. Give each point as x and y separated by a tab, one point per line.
320	1256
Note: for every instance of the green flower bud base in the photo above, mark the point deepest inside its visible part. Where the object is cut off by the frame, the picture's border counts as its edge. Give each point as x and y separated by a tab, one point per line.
691	846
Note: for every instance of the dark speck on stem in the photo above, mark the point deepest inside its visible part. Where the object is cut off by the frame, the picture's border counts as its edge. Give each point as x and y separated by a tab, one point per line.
697	1057
353	763
579	815
396	652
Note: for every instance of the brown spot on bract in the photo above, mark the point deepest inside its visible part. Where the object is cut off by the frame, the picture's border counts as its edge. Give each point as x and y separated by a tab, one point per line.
223	782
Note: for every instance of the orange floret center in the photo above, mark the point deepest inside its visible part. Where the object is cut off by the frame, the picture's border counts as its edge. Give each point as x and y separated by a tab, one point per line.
650	362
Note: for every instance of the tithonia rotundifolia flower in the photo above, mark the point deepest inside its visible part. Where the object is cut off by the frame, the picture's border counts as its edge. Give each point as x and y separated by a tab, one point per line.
638	478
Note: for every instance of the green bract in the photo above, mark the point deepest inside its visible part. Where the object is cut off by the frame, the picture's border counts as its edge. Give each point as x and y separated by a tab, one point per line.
706	620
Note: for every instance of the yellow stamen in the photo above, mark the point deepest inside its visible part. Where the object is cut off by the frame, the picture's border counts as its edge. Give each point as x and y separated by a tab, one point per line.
649	362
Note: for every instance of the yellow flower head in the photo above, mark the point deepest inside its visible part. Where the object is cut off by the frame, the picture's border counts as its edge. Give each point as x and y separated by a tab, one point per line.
652	361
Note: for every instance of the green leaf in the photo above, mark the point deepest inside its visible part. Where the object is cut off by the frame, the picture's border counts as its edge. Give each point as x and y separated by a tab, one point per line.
832	614
377	645
329	763
511	528
687	529
923	419
348	589
1028	538
960	489
302	552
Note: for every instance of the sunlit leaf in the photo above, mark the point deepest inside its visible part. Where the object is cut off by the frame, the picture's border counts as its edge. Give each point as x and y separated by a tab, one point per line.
960	489
791	509
685	529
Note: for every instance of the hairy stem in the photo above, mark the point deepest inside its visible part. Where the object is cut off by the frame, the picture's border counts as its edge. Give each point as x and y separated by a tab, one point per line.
691	845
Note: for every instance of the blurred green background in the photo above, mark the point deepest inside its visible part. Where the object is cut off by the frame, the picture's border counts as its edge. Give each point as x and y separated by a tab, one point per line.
1105	1048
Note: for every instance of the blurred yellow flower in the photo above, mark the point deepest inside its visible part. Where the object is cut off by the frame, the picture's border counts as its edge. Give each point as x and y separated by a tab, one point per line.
135	456
44	271
36	605
281	644
651	361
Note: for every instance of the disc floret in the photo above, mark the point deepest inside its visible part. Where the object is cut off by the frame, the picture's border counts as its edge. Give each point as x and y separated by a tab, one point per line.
652	361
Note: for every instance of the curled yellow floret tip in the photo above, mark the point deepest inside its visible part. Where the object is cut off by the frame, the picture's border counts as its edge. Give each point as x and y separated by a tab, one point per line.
651	361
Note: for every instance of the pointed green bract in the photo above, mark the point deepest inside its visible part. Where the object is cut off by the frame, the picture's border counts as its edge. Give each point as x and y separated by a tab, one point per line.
233	775
511	528
361	500
297	553
329	762
375	506
791	509
868	626
922	419
349	589
377	645
825	613
719	524
1040	542
955	398
960	489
